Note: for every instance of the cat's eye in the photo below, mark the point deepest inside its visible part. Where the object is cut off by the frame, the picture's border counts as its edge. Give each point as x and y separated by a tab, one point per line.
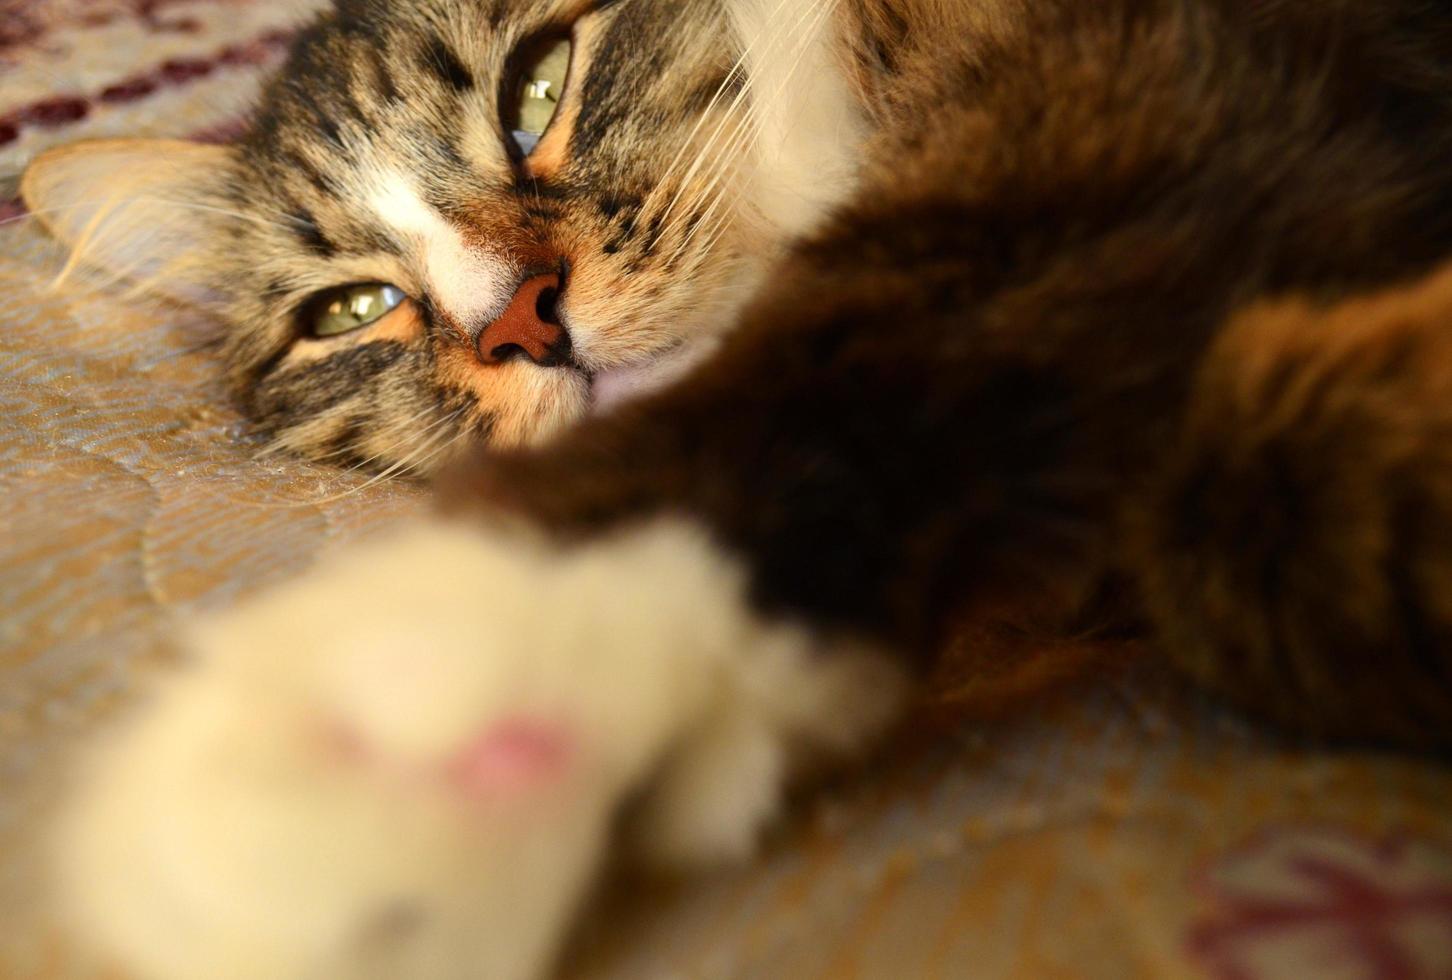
541	85
350	307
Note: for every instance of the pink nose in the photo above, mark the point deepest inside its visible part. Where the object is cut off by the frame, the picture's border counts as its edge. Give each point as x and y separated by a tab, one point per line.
528	327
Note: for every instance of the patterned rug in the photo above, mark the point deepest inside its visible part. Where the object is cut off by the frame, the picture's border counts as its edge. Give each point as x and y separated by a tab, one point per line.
1069	812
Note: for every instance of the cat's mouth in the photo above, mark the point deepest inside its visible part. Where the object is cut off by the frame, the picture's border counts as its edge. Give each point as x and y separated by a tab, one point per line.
626	382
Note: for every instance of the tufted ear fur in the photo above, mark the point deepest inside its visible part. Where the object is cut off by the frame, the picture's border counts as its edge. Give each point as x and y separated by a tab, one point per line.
148	211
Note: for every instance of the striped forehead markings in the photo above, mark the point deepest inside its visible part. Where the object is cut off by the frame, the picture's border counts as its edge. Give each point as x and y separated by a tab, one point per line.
445	65
305	226
466	280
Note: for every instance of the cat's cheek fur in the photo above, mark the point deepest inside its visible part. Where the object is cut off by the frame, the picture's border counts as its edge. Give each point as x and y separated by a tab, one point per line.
410	762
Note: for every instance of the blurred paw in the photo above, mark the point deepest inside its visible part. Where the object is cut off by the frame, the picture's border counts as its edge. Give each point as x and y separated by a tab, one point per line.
407	762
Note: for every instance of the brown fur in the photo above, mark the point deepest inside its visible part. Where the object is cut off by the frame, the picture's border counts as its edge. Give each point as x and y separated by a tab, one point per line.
1298	554
1013	360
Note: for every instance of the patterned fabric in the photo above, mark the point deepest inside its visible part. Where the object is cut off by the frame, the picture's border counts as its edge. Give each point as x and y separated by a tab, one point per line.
1069	812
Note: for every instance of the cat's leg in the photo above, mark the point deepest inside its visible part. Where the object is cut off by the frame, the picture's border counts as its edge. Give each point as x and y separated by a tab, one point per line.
408	763
1297	553
879	446
782	714
880	440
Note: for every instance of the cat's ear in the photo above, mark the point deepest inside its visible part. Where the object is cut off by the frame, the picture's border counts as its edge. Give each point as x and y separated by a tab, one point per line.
148	211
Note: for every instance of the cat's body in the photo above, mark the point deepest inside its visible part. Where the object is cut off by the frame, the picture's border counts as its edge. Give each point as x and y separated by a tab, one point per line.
1137	288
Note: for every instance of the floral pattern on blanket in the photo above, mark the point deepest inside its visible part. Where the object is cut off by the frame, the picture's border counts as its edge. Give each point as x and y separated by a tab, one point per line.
1327	903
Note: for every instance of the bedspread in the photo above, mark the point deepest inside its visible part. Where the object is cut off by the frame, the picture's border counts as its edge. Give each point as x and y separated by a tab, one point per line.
1090	820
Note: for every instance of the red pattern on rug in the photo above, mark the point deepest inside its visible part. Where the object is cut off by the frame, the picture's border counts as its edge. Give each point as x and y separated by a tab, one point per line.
62	109
1292	901
27	22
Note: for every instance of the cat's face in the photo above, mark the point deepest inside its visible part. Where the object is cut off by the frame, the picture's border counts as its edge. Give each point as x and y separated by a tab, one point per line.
404	264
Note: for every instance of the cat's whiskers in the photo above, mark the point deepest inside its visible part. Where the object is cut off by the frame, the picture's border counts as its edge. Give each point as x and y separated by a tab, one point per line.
403	438
707	248
821	9
667	219
731	75
415	460
719	193
723	163
406	436
279	447
712	177
430	450
289	223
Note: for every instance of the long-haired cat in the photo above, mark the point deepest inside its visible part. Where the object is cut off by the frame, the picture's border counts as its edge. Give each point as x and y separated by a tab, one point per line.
841	318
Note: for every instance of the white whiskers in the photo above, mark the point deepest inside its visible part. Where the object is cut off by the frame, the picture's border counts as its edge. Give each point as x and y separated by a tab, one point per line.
739	133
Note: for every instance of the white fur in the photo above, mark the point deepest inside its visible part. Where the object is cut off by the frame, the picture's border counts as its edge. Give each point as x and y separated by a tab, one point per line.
470	282
808	136
225	835
628	382
809	127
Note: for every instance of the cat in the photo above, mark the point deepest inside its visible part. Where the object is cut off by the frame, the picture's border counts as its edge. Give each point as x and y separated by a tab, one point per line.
756	342
639	209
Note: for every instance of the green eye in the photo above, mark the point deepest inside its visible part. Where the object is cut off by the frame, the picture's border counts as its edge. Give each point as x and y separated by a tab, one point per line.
341	310
541	86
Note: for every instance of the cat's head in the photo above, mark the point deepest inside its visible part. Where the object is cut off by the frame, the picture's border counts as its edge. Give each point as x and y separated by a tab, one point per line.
452	219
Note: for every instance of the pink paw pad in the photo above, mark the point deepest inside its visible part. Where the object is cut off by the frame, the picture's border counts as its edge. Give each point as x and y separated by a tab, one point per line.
512	756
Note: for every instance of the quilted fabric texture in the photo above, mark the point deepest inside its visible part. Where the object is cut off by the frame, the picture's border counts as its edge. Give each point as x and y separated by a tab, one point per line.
1113	826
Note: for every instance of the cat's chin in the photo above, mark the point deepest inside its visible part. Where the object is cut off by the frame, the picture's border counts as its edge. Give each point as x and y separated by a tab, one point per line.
614	386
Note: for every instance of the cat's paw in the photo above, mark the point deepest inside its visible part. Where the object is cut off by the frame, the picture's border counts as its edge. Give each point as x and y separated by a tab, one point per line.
408	762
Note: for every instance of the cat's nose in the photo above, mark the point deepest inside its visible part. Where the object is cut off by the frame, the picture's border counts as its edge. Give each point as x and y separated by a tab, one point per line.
528	327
